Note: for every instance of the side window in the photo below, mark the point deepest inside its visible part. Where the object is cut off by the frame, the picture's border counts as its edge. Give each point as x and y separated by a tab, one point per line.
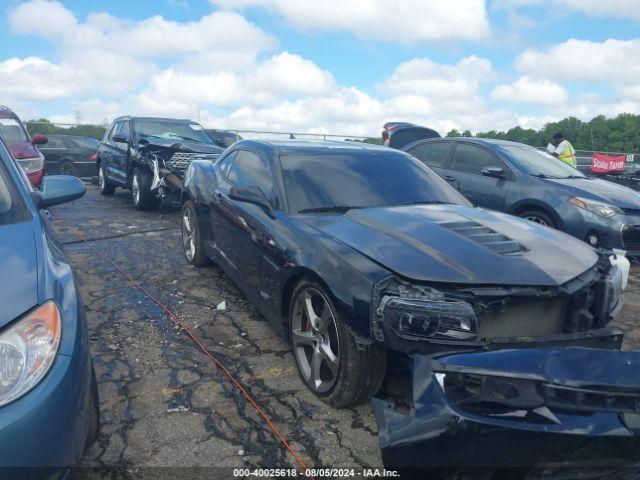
472	159
114	129
251	169
434	154
125	130
225	164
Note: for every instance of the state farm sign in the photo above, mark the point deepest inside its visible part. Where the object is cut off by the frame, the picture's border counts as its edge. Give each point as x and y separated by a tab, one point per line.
602	163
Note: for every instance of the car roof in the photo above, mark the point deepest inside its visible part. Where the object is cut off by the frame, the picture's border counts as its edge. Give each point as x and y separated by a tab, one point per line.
6	112
479	141
159	119
311	146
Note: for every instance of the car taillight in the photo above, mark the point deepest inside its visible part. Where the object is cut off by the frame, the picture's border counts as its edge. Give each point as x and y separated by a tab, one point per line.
31	164
94	157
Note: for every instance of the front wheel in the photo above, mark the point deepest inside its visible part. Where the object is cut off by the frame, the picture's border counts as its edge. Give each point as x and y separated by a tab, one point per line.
539	217
191	239
106	188
329	362
143	197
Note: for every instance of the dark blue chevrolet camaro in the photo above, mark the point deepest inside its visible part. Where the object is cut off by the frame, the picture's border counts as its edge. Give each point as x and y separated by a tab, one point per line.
361	253
48	394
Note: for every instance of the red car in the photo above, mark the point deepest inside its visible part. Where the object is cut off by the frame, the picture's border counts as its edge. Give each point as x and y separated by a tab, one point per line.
22	146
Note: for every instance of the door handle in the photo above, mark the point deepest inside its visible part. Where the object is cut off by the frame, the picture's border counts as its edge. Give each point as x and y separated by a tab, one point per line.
450	179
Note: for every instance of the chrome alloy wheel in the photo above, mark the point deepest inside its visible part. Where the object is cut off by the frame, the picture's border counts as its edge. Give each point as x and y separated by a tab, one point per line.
315	339
135	189
536	219
101	178
188	231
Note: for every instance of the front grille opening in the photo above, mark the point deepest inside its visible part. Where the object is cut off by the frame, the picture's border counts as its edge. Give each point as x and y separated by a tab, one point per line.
522	398
526	318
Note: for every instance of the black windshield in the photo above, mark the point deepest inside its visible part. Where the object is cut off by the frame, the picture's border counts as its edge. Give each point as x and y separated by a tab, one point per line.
172	130
320	182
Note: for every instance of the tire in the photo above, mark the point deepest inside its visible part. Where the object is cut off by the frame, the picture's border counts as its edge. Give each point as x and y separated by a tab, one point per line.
191	238
94	410
143	197
355	375
106	187
539	217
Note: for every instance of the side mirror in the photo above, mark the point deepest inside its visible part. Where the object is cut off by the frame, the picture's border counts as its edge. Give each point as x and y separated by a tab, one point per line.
39	139
251	194
496	172
119	139
58	189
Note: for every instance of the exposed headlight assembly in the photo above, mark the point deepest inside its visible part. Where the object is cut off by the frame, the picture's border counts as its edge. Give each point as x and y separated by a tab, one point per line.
413	318
27	350
599	208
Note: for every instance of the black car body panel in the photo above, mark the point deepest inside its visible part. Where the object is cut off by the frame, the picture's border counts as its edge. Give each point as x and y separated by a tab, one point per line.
450	243
510	409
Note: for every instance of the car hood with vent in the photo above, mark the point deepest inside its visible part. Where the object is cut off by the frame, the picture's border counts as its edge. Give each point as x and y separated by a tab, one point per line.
457	244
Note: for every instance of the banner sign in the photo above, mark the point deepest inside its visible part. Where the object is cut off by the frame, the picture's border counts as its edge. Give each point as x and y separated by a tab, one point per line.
602	163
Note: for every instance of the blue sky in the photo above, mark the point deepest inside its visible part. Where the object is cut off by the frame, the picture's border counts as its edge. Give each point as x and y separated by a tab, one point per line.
340	66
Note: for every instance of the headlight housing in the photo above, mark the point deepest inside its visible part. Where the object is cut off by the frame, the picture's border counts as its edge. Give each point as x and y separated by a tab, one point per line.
27	350
32	164
599	208
414	318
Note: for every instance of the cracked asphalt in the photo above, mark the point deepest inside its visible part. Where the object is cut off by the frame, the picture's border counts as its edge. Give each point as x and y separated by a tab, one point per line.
163	402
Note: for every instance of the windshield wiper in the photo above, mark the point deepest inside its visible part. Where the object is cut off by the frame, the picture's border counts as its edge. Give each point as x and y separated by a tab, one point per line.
542	175
334	208
425	202
576	176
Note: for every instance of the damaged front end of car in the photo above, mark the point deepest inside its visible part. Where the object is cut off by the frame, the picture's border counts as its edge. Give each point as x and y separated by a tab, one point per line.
168	161
422	318
509	377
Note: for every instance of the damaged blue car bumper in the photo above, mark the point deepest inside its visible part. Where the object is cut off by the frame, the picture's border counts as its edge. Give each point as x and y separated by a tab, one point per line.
516	409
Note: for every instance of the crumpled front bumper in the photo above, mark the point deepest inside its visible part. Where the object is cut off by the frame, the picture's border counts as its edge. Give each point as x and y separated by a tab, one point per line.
515	409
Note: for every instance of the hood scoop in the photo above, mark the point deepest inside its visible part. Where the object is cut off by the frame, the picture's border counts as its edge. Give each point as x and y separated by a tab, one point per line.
497	242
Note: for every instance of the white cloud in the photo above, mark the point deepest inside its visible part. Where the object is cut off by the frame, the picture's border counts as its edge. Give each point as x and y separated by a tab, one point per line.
402	20
531	90
615	63
593	8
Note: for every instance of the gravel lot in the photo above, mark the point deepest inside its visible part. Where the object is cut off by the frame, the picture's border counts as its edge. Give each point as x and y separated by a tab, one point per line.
163	402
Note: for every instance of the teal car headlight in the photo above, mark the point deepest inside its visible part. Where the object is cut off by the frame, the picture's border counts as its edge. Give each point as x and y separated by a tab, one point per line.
27	350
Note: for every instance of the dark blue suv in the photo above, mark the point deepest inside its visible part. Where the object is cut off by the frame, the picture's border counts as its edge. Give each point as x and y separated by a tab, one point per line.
527	182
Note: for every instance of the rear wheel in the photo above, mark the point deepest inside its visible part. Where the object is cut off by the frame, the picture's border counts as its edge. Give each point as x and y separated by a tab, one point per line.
329	362
143	197
539	217
106	188
191	240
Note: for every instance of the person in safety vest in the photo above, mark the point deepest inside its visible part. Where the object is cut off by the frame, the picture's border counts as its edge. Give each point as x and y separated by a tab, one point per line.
563	149
386	138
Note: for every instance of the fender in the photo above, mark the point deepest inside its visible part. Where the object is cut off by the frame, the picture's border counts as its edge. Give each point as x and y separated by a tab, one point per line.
200	181
540	205
347	274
